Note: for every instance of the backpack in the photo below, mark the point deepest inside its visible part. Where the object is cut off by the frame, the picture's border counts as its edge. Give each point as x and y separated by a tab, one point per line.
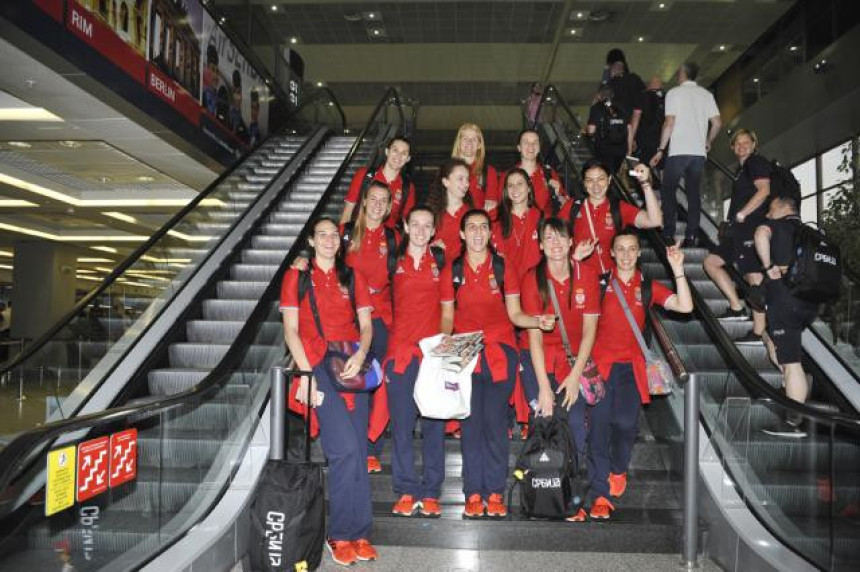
783	183
612	128
457	275
614	211
546	470
815	273
390	243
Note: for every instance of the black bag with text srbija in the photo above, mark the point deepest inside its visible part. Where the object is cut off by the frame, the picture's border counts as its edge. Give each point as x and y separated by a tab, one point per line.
815	273
546	471
288	514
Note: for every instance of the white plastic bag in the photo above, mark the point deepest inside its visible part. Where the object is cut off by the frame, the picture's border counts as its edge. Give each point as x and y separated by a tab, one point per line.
441	393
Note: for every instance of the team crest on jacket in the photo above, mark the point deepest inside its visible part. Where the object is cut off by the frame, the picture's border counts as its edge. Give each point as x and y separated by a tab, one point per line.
383	249
434	270
638	294
398	194
608	219
579	296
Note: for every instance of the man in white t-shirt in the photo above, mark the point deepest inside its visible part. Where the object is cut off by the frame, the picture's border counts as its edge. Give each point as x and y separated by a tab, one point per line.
689	110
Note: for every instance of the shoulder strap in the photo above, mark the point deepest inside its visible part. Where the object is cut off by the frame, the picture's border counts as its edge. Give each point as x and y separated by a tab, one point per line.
438	256
306	286
574	211
631	320
457	273
499	271
615	212
391	246
568	351
346	236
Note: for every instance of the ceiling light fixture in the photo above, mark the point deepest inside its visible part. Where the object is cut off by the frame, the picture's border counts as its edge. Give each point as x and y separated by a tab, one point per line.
16	203
755	80
5	267
6	253
722	48
121	216
27	114
274	7
19	144
70	144
319	84
90	278
104	179
222	20
145	179
110	249
94	260
792	48
72	238
640	39
294	40
189	238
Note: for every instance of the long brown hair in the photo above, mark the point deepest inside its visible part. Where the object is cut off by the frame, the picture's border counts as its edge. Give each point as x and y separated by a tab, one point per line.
437	198
506	207
360	225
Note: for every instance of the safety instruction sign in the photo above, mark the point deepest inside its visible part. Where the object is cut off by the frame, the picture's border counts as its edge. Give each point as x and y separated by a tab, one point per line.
92	468
60	487
123	457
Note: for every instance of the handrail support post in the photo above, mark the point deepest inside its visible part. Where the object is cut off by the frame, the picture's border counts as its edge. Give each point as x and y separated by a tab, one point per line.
277	414
690	547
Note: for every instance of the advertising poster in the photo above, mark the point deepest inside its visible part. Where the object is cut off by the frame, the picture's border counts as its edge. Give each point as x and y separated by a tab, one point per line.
233	95
174	54
118	29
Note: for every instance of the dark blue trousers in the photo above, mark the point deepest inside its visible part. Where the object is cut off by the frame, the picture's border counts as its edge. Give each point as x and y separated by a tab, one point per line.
691	168
404	412
378	349
484	443
614	425
343	435
576	415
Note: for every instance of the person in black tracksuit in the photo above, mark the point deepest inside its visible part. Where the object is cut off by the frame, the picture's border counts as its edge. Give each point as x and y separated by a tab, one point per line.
747	210
609	126
787	316
646	121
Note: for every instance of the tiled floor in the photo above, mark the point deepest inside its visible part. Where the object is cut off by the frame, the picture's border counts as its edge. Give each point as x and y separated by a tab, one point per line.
395	558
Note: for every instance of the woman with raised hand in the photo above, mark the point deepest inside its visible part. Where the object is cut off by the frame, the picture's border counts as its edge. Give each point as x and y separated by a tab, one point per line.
601	215
483	178
481	292
615	420
321	305
417	314
449	200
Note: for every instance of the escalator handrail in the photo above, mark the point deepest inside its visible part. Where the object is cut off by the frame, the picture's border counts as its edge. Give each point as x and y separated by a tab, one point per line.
132	259
19	449
748	376
321	93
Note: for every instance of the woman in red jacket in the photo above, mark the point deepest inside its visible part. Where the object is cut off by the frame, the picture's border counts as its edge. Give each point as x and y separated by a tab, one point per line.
367	242
417	312
578	294
342	417
391	173
449	199
483	178
548	190
615	420
486	293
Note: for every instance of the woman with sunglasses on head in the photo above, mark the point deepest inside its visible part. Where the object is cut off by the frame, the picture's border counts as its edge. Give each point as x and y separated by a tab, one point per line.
481	293
483	178
339	297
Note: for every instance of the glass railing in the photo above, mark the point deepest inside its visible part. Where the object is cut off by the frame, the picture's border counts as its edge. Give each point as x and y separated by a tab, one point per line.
52	377
188	445
805	492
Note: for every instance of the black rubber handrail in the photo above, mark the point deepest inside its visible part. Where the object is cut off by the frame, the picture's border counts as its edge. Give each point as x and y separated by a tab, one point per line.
747	375
17	454
140	251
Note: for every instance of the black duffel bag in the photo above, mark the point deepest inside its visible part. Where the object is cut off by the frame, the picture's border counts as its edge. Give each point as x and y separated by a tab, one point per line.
288	515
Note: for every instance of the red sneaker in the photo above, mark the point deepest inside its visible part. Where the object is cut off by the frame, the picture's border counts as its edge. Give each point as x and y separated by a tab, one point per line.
373	464
430	508
601	509
342	551
496	506
474	507
580	516
364	550
405	506
617	484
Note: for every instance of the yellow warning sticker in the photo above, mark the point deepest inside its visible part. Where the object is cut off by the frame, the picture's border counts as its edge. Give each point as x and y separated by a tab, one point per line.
60	489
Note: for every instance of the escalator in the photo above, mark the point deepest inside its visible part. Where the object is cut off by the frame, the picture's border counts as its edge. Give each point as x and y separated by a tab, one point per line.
197	395
793	503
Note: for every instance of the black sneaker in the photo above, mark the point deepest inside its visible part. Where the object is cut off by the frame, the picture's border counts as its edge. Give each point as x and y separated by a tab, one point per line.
730	315
786	430
690	242
750	339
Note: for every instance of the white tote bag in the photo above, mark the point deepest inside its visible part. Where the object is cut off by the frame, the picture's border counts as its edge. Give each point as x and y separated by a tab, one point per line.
441	393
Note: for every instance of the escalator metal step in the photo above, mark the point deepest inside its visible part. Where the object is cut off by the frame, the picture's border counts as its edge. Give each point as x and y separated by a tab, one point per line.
241	289
228	310
252	272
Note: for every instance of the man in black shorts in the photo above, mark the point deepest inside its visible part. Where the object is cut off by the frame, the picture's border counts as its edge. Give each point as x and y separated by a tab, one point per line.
746	212
787	316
